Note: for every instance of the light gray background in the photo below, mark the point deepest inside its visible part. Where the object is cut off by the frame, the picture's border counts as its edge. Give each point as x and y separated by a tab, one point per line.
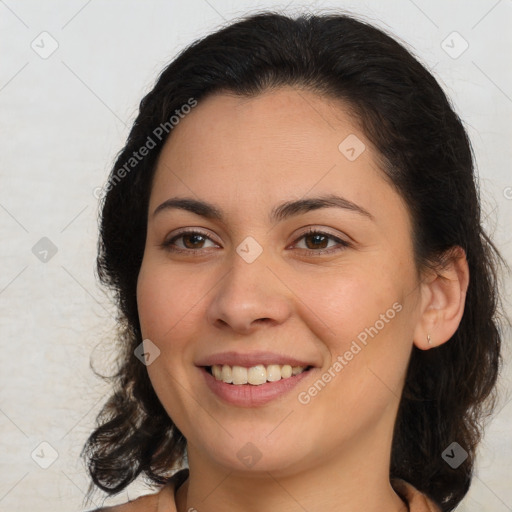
64	118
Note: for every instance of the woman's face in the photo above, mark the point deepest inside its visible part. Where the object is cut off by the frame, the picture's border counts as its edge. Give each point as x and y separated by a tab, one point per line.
254	289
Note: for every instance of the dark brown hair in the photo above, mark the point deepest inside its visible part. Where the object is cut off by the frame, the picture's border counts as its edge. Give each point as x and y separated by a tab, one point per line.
425	154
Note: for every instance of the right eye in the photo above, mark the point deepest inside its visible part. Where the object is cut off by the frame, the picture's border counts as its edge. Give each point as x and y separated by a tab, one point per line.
191	239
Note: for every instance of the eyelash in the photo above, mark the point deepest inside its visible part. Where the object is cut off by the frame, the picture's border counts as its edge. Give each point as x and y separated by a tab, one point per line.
168	245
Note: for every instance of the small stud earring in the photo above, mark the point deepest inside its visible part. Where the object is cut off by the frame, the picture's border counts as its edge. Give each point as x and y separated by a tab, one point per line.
429	339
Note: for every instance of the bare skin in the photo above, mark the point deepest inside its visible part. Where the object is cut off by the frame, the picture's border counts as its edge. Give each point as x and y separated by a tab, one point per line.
245	156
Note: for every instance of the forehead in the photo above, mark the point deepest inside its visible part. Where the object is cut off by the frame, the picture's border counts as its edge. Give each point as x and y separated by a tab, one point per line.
284	116
281	130
281	144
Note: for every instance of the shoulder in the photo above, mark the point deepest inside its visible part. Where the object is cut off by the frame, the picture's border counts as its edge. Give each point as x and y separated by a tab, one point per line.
146	503
416	500
150	502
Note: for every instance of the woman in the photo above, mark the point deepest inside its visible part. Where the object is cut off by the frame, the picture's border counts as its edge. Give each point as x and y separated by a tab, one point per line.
307	297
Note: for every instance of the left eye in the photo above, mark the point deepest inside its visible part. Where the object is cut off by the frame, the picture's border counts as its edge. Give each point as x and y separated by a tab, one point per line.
319	239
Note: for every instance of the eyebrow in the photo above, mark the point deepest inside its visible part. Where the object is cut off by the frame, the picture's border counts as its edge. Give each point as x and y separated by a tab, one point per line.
278	213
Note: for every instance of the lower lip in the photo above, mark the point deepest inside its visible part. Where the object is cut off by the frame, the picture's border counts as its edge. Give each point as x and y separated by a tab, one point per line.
248	395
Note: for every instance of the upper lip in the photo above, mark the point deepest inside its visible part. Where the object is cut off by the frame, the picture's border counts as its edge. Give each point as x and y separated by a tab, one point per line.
250	359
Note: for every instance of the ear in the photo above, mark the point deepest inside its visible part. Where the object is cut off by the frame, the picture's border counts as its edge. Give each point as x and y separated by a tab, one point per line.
443	296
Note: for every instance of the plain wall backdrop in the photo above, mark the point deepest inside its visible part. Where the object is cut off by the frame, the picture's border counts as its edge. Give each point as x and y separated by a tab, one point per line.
72	74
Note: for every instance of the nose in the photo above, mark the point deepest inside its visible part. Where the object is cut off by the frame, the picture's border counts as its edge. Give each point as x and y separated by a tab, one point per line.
250	296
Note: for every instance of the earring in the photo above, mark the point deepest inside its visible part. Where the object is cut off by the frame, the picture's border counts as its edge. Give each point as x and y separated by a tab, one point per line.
429	339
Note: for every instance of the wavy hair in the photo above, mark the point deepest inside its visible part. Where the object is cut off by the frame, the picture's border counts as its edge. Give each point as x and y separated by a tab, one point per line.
425	153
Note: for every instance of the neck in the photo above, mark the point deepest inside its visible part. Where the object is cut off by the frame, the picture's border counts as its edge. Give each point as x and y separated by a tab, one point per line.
355	479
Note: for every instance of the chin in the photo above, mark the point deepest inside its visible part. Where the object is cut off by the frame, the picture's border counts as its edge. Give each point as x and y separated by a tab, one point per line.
255	454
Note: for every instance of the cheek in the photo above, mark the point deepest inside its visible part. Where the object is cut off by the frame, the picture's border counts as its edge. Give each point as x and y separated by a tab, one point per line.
349	301
167	317
364	316
165	300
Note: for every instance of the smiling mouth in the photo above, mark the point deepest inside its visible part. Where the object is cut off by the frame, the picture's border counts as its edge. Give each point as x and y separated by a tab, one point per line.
255	375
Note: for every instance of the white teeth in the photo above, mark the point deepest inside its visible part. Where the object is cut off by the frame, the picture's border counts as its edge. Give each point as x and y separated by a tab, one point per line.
255	375
273	372
239	374
217	372
286	371
226	374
